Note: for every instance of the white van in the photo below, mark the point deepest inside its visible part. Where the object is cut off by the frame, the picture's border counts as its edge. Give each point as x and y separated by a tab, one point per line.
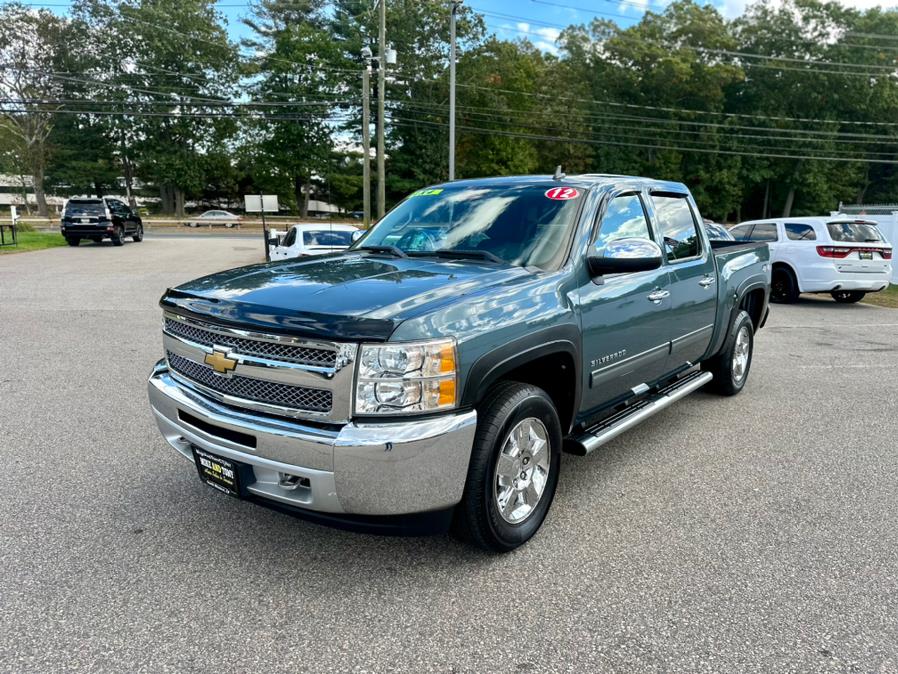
845	257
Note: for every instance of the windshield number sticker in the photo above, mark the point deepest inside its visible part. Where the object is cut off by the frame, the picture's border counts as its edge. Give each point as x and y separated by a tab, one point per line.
562	193
427	193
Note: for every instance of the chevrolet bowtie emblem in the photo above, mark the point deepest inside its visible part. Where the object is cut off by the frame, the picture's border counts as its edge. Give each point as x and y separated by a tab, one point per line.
219	361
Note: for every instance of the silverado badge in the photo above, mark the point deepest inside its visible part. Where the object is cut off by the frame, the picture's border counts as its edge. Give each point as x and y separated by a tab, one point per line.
219	361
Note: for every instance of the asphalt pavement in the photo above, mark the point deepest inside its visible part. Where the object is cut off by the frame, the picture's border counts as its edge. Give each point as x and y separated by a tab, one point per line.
757	533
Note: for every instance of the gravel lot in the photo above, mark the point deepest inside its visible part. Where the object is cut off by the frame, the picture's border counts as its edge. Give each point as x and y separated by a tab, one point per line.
755	533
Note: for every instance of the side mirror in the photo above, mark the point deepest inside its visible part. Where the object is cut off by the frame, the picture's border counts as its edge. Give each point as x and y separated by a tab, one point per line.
624	255
274	241
357	234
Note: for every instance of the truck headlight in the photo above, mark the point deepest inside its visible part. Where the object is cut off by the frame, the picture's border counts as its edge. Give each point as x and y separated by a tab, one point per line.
406	378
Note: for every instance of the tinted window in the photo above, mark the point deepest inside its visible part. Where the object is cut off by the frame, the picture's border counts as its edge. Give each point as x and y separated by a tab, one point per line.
765	231
799	232
624	218
857	232
681	238
521	223
741	232
326	238
290	239
78	208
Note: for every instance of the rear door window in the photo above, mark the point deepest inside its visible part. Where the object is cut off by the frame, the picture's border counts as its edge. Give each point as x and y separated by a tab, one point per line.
765	231
798	232
678	227
854	232
741	232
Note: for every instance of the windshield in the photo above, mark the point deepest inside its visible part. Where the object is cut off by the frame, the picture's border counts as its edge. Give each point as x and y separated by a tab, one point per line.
855	232
520	224
79	208
326	237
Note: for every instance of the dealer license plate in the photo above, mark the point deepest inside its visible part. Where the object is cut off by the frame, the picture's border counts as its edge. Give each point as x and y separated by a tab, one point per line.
85	221
866	255
216	471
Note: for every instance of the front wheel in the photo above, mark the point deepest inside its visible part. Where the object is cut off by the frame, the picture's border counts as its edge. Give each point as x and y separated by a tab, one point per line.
513	471
848	296
730	367
783	286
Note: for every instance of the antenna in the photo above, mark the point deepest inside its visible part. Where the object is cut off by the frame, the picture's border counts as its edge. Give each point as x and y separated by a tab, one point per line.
559	174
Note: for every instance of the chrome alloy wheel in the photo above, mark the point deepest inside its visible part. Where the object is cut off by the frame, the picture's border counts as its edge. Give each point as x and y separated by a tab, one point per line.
741	353
522	470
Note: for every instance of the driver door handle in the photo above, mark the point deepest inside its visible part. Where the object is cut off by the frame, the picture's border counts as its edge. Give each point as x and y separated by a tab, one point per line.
706	281
657	296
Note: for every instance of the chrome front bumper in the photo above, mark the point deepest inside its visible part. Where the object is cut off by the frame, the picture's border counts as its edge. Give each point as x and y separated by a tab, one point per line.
357	468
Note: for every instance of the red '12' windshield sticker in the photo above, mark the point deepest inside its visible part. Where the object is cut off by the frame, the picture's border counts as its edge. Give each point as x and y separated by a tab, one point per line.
562	193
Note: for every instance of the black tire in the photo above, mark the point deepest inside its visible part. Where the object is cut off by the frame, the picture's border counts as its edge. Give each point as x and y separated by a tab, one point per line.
138	235
848	296
72	240
118	236
783	286
478	519
726	382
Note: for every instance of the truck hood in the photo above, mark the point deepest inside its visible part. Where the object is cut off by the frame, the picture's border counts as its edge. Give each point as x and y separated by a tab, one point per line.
347	296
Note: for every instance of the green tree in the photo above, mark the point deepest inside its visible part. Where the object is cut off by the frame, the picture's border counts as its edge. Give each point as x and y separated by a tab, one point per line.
31	44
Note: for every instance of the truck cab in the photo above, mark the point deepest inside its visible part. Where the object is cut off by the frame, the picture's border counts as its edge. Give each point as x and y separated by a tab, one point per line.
433	373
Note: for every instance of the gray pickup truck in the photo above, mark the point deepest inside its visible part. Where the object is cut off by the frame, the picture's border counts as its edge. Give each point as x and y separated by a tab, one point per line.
431	375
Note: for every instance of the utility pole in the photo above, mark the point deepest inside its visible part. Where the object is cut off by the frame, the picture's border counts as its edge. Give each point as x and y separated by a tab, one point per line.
366	137
454	12
381	86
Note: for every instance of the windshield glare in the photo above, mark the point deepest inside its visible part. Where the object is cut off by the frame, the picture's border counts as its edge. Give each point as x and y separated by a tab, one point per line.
519	224
327	238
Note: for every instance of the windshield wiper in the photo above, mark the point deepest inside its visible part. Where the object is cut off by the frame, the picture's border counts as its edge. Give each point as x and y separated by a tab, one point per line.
451	254
390	250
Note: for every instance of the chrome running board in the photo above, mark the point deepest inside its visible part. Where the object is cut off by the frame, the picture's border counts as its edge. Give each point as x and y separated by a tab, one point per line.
608	429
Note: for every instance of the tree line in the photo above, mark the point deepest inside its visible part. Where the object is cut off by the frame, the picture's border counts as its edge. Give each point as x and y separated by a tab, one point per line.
789	108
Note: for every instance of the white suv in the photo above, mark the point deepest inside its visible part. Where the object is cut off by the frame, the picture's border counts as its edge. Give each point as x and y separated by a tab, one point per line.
844	257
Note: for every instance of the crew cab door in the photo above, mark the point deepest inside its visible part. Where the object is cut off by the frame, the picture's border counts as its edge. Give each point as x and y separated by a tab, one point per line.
624	317
692	277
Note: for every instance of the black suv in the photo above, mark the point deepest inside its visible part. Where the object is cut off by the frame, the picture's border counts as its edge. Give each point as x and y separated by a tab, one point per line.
97	219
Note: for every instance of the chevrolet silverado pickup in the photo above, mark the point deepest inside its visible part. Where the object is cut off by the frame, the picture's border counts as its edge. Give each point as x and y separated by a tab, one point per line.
432	374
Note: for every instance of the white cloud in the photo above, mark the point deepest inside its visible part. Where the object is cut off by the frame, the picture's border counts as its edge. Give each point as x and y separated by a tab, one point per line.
543	37
733	8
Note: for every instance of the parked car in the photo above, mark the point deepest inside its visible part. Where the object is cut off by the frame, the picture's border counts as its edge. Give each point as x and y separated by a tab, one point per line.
98	219
717	232
844	257
434	380
305	240
214	219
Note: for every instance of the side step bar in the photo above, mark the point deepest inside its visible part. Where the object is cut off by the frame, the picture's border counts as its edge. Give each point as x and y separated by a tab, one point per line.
608	429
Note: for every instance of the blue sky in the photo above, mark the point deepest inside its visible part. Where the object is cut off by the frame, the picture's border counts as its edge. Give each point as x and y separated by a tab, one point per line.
538	20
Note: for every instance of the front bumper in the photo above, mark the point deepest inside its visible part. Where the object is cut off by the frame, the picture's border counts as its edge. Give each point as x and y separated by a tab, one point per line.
389	468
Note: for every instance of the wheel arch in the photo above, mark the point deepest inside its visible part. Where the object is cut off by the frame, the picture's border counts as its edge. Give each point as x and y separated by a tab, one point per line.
785	266
548	359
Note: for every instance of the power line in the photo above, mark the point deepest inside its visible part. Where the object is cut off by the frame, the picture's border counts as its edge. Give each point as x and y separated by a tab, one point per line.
586	141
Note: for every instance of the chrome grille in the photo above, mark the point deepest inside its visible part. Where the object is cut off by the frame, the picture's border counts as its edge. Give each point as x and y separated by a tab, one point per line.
247	388
288	353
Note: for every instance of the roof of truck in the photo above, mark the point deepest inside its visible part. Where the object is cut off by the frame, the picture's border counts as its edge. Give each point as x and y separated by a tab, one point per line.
583	180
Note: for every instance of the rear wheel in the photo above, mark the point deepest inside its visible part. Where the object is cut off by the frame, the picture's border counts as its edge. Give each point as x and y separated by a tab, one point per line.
118	236
138	235
848	296
513	471
783	286
72	240
730	367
